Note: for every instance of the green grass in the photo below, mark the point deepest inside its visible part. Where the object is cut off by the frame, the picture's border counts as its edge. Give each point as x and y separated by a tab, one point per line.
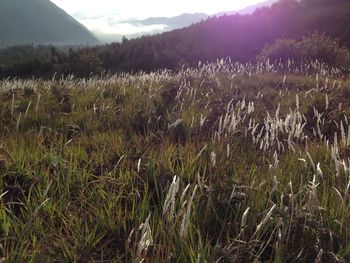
87	168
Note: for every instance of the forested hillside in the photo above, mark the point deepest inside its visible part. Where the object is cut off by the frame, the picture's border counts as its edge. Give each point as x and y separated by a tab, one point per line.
237	36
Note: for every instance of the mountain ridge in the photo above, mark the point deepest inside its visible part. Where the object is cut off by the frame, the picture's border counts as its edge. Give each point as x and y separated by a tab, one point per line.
197	17
176	22
249	9
40	22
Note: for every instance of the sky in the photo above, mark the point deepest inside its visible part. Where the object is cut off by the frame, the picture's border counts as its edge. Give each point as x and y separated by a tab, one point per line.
110	17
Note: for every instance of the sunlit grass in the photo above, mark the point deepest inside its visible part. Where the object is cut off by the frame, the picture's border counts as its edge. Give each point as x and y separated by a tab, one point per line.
223	163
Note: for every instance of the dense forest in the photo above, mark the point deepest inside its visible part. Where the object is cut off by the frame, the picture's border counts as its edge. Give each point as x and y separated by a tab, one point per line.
240	37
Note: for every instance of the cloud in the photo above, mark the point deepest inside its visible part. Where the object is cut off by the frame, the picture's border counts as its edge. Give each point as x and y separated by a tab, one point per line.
128	30
111	24
82	16
131	29
112	21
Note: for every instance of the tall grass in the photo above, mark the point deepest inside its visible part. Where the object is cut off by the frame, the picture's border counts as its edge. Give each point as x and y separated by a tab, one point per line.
220	163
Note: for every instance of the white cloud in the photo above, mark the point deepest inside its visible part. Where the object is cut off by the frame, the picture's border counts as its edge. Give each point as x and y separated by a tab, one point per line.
111	16
123	28
144	9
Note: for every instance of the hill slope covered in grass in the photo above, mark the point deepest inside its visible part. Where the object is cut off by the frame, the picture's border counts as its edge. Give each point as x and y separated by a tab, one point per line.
40	22
221	163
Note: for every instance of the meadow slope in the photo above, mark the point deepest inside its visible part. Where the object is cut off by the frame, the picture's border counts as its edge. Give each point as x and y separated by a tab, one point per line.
220	163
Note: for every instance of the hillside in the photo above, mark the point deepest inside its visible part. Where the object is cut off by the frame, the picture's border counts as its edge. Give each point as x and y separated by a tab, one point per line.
242	37
39	22
220	163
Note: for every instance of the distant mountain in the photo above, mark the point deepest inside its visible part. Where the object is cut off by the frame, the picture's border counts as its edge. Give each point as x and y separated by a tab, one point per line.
40	22
185	20
173	22
153	25
250	9
165	24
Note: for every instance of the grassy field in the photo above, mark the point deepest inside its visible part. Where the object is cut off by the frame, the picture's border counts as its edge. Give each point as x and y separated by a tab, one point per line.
222	163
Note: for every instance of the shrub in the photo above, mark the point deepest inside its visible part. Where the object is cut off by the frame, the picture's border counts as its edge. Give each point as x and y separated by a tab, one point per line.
311	48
